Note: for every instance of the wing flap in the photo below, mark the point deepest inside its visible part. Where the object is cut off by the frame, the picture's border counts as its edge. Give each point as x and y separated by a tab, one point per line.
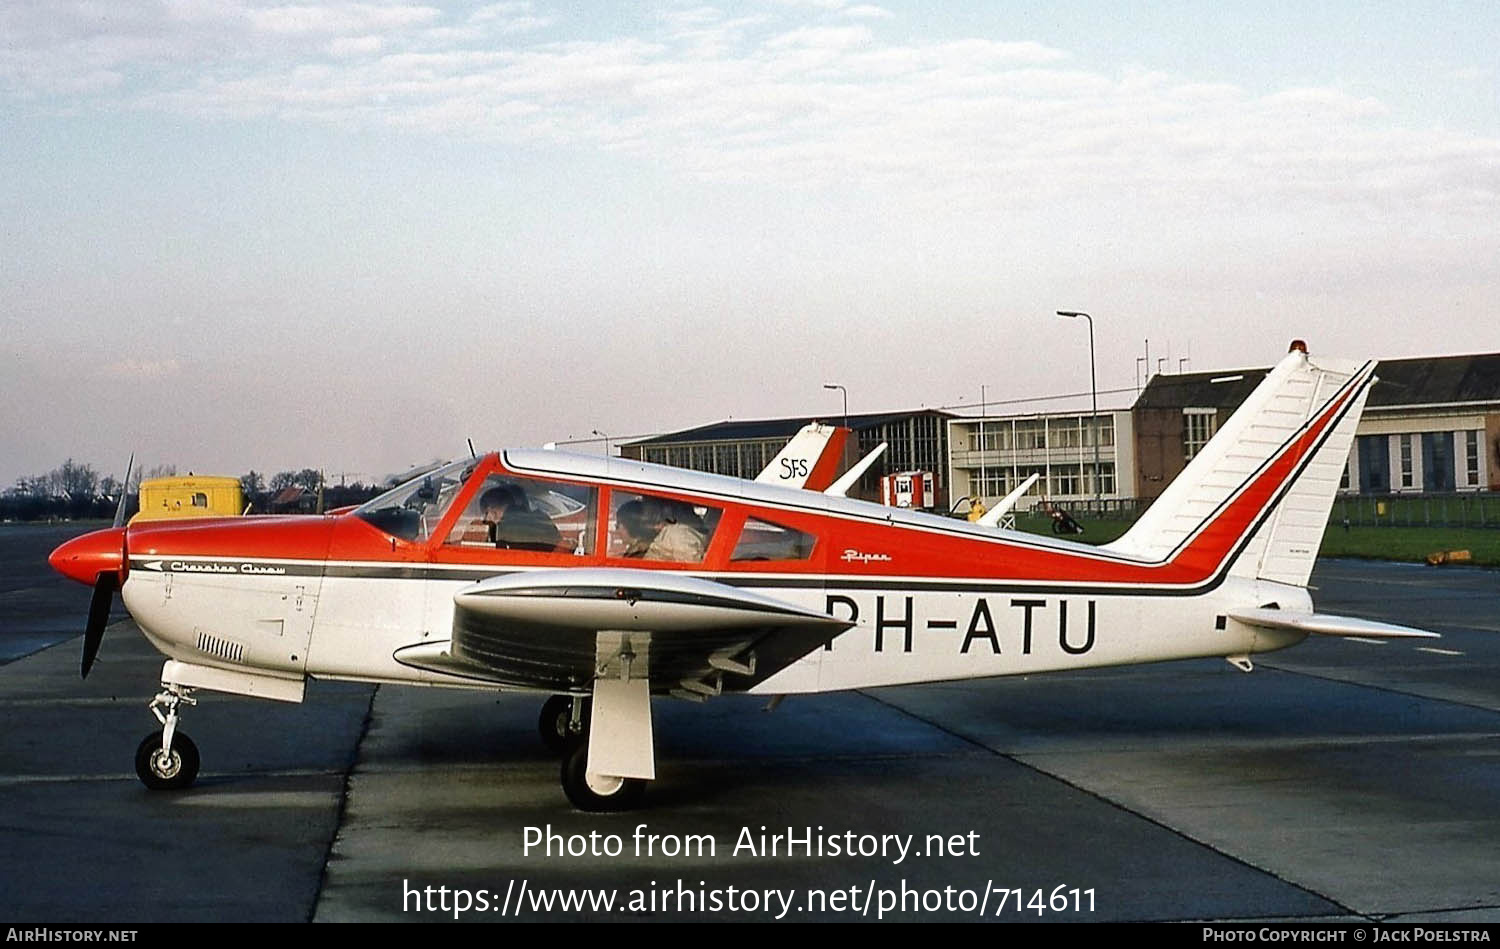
541	629
1326	624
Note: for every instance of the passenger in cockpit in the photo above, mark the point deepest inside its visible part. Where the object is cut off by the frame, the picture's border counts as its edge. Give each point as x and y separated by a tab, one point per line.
673	540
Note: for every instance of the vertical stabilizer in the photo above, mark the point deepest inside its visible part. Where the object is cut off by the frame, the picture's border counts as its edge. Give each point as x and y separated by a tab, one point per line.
1294	433
810	460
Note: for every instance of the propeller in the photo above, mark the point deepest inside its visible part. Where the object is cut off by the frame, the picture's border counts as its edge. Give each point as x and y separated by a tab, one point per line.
105	586
93	633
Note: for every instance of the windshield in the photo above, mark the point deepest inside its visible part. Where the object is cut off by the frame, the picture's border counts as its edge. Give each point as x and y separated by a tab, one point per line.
411	511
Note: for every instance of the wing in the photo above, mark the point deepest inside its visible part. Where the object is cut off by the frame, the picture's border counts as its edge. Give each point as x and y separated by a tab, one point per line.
558	630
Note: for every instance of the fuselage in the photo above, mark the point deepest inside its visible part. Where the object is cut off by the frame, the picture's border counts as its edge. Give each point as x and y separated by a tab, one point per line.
930	598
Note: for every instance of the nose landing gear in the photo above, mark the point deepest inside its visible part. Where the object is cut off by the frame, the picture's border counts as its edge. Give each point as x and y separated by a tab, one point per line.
168	760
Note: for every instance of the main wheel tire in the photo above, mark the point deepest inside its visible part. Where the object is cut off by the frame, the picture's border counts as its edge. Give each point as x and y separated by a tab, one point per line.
555	723
170	772
601	794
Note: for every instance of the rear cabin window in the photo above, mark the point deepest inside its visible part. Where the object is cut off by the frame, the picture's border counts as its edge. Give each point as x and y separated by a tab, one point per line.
547	517
651	528
762	540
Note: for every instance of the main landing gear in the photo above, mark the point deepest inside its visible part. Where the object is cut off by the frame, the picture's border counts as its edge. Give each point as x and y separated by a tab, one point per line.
168	760
597	792
564	726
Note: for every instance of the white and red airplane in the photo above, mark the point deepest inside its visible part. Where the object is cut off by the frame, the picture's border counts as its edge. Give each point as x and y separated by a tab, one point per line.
603	582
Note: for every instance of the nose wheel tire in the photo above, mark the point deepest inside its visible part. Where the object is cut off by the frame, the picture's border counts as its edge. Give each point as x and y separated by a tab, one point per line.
597	793
168	771
555	723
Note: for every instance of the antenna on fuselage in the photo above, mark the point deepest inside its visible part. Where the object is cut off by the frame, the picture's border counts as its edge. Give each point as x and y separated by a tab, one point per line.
472	452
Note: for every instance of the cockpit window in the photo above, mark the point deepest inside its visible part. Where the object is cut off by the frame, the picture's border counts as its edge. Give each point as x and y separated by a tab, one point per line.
652	528
762	540
513	513
411	511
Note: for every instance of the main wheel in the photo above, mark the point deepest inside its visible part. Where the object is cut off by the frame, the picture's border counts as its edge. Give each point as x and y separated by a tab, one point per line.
167	772
597	793
555	722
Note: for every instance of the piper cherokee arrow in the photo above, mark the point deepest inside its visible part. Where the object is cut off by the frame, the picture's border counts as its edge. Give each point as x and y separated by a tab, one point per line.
601	583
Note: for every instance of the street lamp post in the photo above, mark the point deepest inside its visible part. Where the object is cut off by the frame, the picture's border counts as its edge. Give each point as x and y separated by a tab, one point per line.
606	441
1094	395
834	385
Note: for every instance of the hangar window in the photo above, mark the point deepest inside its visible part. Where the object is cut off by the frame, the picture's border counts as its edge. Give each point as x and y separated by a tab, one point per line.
513	513
762	540
1199	427
653	528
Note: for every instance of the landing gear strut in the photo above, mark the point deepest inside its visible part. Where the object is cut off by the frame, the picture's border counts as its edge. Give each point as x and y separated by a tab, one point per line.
564	720
168	760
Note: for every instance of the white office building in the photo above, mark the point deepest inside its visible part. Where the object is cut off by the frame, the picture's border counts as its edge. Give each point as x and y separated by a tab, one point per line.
990	456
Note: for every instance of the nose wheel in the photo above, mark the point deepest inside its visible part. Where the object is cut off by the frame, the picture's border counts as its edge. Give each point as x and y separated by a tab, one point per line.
163	768
168	760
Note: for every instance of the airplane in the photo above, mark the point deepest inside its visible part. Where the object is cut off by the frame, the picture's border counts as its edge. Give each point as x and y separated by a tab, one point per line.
605	582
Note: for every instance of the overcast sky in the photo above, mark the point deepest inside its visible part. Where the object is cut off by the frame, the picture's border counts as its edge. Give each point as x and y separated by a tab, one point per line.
351	235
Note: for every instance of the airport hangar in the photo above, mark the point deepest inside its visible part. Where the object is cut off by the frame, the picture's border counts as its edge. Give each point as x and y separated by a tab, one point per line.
1432	426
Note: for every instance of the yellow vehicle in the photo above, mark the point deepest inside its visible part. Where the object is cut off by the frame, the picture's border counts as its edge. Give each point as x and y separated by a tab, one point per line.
190	496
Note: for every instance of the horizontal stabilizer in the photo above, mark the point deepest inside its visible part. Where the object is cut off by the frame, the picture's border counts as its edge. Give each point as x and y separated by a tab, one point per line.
840	488
1325	624
992	517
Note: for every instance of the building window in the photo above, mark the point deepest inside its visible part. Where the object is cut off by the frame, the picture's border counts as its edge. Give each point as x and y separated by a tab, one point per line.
1200	425
1106	425
1471	456
1106	478
1031	436
1408	477
727	460
1066	483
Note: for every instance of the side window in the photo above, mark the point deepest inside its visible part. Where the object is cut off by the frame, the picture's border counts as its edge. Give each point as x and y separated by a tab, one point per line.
525	514
652	528
200	499
762	540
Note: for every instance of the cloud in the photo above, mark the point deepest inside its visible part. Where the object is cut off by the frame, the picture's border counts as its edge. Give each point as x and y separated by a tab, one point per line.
141	369
355	46
334	18
793	93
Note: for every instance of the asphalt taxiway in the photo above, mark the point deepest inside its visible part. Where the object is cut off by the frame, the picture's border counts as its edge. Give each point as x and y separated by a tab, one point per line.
1340	780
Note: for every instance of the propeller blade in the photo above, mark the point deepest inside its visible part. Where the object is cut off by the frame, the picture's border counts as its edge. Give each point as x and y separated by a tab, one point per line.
93	633
124	494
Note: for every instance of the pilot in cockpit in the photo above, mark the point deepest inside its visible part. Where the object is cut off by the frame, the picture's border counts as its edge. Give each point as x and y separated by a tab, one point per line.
513	524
